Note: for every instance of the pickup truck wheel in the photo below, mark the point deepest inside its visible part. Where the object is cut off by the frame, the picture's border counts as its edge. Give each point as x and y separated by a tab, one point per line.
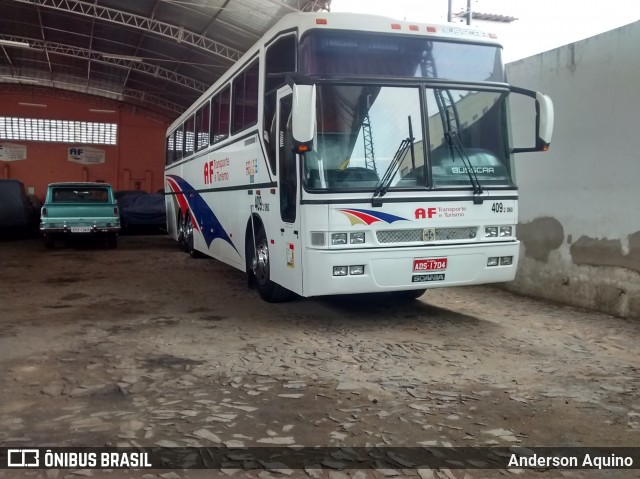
112	240
269	291
49	242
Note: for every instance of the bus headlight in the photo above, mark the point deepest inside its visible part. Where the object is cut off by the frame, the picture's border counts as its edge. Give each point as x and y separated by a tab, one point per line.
338	238
491	231
356	238
506	231
506	260
340	270
356	269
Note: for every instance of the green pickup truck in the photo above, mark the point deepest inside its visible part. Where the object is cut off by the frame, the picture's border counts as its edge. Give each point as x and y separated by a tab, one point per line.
79	209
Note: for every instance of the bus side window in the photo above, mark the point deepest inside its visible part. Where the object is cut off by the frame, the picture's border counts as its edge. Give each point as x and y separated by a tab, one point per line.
287	164
219	116
179	144
189	136
280	59
245	98
171	150
202	127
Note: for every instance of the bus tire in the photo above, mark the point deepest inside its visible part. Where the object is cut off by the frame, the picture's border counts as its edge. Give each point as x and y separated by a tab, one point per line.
180	231
260	266
408	295
189	247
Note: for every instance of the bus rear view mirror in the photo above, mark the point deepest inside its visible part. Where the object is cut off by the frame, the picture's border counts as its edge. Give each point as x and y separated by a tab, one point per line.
544	119
303	116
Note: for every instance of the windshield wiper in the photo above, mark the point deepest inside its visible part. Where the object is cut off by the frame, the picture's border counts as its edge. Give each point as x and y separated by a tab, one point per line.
456	144
385	182
451	126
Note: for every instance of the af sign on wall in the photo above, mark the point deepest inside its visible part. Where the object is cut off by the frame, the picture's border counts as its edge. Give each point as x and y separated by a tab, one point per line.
86	155
12	152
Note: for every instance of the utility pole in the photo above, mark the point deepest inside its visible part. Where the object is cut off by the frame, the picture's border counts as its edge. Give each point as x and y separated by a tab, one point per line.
468	13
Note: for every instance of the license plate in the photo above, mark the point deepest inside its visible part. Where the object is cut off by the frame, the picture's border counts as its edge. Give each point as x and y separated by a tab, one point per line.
429	264
81	229
421	278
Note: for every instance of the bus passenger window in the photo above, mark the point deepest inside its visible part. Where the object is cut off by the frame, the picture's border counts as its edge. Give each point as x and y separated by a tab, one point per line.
202	127
220	116
170	157
179	143
245	98
189	136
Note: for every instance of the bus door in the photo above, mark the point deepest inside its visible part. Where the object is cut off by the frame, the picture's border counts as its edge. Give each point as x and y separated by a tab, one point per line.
287	254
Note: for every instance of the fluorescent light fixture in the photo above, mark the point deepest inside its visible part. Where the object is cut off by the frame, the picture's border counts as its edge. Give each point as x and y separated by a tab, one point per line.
95	110
19	79
37	105
12	43
114	56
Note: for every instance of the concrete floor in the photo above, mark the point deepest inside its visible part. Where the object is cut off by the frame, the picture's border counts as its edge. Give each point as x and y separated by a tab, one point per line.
145	346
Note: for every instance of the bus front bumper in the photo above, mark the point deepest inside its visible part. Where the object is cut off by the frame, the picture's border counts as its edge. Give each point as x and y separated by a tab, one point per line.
392	269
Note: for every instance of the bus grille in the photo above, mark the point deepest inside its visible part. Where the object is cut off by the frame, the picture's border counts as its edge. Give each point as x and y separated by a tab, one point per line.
416	235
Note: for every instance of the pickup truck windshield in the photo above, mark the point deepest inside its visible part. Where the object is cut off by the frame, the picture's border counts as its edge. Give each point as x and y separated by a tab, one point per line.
363	129
80	195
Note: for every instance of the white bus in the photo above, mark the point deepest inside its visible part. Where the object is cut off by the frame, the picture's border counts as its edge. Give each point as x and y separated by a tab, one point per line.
350	153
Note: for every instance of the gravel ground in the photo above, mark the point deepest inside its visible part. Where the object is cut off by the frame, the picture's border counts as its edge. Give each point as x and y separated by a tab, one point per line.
145	346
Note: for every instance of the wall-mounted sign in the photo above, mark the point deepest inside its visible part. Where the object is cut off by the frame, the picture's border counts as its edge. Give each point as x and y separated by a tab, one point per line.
12	152
86	155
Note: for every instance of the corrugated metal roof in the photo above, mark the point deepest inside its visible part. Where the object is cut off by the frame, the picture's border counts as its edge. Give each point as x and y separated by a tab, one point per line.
156	54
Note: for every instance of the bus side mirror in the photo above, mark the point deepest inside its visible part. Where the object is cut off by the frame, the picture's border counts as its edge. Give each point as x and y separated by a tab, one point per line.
303	116
544	119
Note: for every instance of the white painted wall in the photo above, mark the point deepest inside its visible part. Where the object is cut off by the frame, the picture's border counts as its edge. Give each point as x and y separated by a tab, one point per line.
589	181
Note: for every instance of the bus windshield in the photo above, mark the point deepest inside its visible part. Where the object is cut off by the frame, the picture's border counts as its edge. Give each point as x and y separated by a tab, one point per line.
376	55
363	130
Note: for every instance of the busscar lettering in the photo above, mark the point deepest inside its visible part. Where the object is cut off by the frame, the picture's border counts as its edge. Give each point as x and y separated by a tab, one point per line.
476	169
464	31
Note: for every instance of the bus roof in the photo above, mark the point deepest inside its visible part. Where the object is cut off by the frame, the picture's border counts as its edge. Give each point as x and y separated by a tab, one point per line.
304	21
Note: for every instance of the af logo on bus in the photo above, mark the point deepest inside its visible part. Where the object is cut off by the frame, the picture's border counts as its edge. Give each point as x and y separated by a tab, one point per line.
421	213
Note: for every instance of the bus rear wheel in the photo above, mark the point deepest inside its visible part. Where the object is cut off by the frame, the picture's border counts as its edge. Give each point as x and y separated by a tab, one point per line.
189	246
261	269
180	231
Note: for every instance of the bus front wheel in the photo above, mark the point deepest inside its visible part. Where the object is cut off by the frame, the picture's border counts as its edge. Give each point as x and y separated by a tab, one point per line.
261	268
408	295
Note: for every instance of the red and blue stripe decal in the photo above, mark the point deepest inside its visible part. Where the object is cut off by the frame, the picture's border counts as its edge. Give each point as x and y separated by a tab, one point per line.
366	217
202	217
